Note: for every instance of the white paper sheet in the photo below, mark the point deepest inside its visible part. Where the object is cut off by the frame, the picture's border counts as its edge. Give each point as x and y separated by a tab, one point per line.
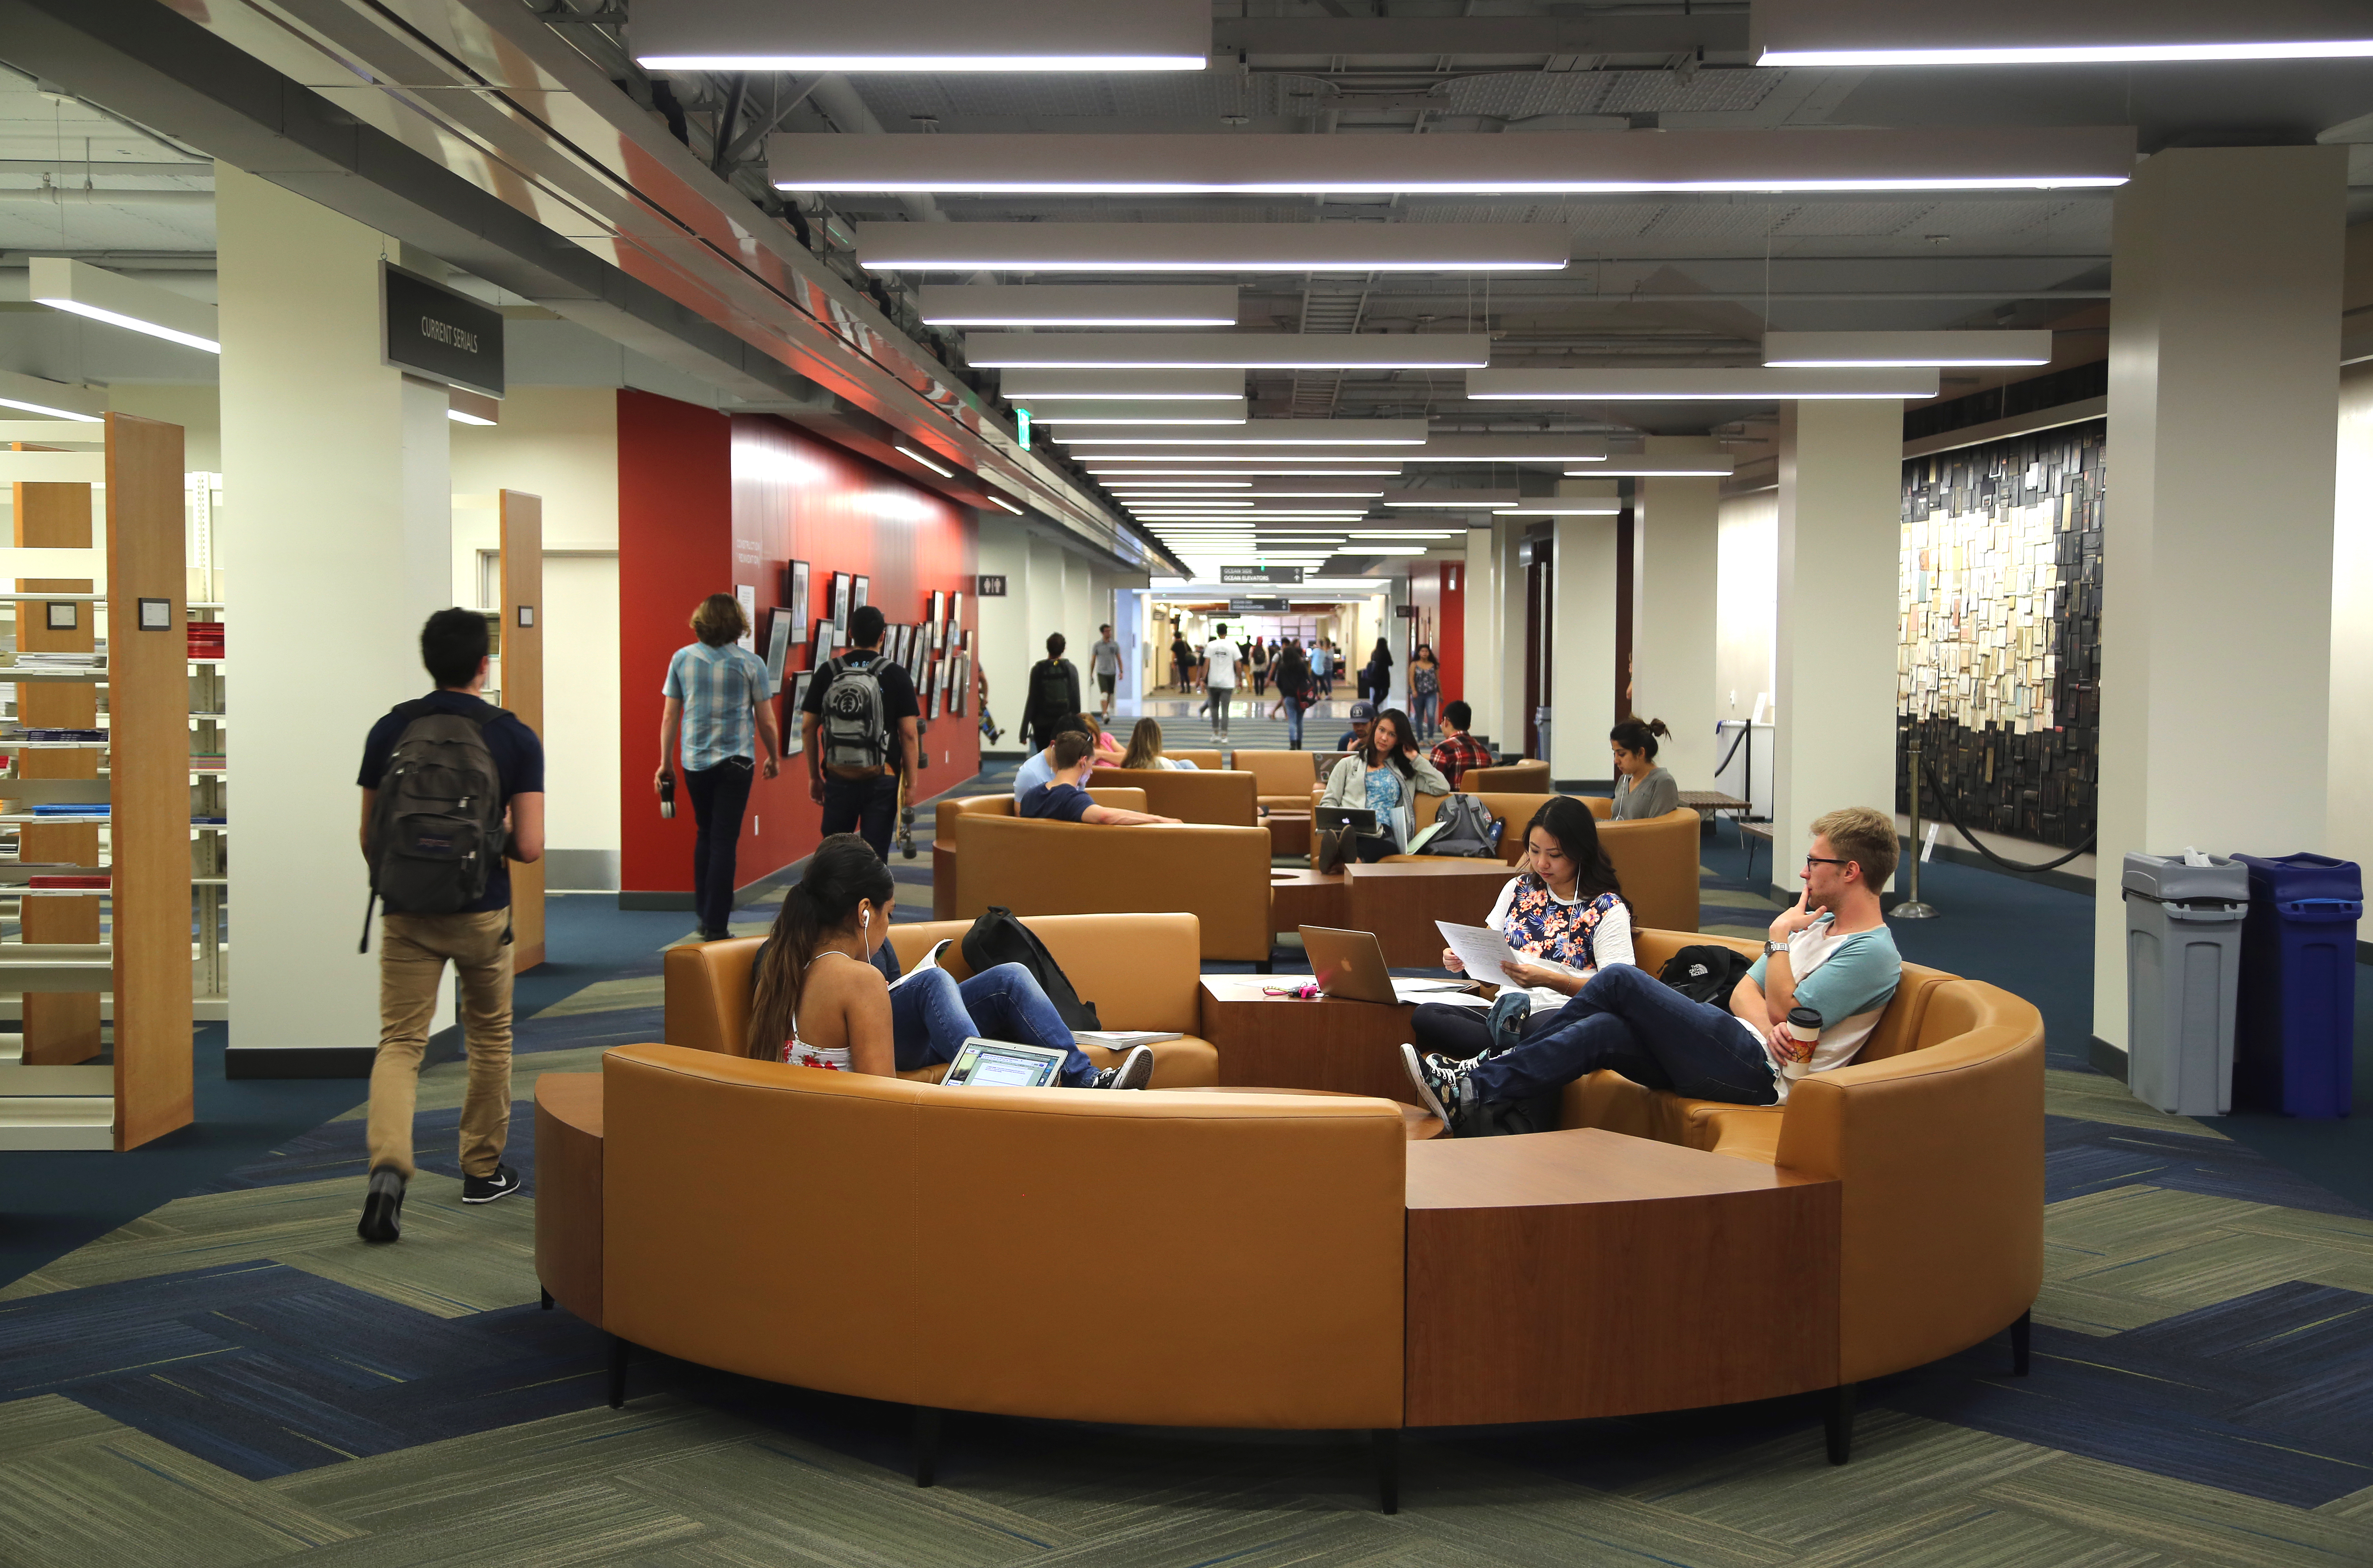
1483	951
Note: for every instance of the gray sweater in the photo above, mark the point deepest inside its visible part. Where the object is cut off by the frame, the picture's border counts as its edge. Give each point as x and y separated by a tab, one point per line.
1654	793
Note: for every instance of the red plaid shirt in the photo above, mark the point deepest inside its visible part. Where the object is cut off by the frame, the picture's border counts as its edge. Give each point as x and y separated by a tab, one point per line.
1456	755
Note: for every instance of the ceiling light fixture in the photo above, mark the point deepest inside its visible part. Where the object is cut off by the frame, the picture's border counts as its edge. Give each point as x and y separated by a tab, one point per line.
1381	549
466	407
1008	505
1754	384
64	284
1127	467
1893	350
1077	305
1024	384
1285	433
1221	463
1855	33
944	471
1448	499
1579	508
36	394
1540	163
1528	449
922	35
1711	465
1227	351
1212	247
1136	411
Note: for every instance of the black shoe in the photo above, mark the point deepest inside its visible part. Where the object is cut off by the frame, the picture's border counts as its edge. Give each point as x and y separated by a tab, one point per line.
383	1206
1134	1071
487	1188
1442	1087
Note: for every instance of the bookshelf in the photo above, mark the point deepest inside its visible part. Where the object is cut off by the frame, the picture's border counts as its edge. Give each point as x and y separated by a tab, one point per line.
129	940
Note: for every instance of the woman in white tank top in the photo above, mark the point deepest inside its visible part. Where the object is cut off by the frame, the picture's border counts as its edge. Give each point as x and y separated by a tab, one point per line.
819	1002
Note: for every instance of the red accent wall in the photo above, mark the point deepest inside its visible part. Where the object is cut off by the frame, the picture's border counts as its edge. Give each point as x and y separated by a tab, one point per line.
707	503
1438	591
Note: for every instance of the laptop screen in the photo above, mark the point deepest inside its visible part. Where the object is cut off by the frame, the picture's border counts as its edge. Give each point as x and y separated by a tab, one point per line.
993	1064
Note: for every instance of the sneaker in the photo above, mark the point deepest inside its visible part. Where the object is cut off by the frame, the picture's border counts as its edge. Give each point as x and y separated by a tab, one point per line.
382	1218
1442	1085
487	1188
1135	1071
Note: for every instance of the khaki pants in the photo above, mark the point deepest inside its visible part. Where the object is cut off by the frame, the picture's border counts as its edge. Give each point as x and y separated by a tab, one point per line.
413	950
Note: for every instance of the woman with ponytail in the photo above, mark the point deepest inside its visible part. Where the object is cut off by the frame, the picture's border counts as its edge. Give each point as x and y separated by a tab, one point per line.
846	1016
1644	790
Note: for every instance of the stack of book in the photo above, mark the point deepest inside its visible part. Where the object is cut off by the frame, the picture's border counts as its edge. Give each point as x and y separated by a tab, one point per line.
205	640
101	881
63	664
71	808
29	735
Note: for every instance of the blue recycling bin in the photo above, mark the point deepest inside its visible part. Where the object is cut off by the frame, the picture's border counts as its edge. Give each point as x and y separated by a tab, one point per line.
2297	1041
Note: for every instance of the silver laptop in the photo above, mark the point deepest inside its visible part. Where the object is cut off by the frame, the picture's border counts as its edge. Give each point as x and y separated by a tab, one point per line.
1002	1064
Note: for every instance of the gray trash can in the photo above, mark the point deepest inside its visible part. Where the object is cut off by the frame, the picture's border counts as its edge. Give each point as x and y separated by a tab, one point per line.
2183	966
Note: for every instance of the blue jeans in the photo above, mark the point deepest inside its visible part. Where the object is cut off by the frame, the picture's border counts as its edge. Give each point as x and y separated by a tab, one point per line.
1422	713
933	1013
1293	723
1628	1020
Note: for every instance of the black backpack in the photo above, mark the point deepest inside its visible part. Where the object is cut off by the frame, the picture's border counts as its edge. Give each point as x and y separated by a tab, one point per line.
1050	692
1706	972
999	938
1463	829
856	730
437	820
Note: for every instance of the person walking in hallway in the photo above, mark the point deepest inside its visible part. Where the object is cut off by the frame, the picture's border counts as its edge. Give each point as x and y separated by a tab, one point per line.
1053	695
1104	663
1376	676
718	701
1294	692
1182	662
1426	689
1220	657
1261	663
442	908
859	731
1322	668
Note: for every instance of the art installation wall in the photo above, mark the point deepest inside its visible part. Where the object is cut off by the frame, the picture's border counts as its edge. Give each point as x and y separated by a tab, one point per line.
1998	667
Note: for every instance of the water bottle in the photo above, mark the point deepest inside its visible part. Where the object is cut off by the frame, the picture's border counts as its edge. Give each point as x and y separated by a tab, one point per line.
667	793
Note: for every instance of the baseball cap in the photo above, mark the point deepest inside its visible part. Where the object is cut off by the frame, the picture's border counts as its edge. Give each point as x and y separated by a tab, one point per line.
1363	710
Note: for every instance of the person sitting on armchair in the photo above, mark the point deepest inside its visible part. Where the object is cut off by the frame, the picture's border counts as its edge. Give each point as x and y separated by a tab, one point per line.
1065	797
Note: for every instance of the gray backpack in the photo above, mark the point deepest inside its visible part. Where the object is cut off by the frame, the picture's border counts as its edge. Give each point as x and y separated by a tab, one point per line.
437	818
1463	829
855	733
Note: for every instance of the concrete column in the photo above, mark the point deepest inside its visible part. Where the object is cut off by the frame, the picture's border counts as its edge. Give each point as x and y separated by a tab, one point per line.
1582	634
2217	559
344	517
1507	550
1005	652
1481	631
1674	630
2351	804
1841	521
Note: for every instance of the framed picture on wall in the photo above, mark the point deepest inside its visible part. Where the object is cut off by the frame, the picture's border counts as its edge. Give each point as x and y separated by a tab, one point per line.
837	611
909	636
795	591
778	646
859	589
931	704
820	643
960	685
800	681
939	618
955	612
746	596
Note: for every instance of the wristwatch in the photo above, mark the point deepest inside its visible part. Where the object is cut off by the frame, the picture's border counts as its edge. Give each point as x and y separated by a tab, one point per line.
1770	947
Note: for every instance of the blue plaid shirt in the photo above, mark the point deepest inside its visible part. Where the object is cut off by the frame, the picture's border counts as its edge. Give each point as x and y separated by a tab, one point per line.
720	688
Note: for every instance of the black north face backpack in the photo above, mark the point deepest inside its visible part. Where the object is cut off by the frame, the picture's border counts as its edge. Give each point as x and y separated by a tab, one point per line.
436	821
998	937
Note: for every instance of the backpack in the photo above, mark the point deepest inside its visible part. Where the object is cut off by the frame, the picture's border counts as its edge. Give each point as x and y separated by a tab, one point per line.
1048	691
1706	972
999	938
855	733
437	820
1461	827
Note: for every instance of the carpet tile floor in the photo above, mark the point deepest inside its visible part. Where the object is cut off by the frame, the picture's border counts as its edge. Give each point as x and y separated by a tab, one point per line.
233	1378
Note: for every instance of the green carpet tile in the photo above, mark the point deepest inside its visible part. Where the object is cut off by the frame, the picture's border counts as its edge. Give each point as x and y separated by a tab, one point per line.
233	1378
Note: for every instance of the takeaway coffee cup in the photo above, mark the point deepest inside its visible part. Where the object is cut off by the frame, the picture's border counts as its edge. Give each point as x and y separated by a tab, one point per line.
1804	1029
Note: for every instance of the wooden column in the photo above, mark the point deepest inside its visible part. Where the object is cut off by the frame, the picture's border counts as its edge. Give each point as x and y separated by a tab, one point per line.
61	1027
522	653
149	778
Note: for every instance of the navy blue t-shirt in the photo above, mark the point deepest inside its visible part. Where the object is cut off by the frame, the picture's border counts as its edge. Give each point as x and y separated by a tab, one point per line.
519	763
1060	802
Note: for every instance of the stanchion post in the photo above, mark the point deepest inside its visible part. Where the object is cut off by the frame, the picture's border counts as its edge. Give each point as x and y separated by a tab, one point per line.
1911	908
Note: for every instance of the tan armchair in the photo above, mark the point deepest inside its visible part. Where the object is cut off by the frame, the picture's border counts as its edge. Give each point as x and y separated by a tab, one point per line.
1220	874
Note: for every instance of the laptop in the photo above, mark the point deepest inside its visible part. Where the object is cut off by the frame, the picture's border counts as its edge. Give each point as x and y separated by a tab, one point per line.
1002	1064
1340	817
1351	967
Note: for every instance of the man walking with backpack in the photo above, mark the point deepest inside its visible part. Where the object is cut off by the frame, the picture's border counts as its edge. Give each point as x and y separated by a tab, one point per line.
854	708
452	790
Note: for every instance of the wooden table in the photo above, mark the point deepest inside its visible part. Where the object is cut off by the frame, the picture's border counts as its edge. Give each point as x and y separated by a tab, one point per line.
1266	1042
1566	1275
1416	1124
1748	834
1289	833
1401	900
1306	898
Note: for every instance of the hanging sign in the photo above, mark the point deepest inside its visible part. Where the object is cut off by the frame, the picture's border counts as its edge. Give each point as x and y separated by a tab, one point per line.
1277	576
431	331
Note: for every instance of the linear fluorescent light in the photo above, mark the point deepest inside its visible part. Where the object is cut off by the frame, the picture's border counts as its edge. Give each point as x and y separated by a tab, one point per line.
1219	463
1894	350
1227	351
1008	505
941	469
1137	410
1541	449
1450	500
1285	433
1127	423
465	408
1856	33
34	394
1025	384
1403	534
1381	549
922	35
1212	247
64	284
1077	305
1754	384
1709	466
1150	496
1171	485
459	417
1539	163
1119	467
1562	509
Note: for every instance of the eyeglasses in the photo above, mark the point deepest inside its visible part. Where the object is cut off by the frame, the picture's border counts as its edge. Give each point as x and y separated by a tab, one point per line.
1826	860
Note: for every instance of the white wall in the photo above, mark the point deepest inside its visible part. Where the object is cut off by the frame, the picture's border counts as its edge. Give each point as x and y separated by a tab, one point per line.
1746	599
197	409
1005	650
1582	639
2350	835
1675	633
1482	634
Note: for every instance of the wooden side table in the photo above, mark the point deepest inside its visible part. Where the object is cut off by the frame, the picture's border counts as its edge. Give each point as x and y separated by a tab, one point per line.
1350	1047
1289	833
1619	1275
1400	901
1301	898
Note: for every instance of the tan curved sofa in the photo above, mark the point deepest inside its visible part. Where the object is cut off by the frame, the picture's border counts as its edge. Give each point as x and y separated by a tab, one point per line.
1656	859
1282	780
1138	970
1525	776
1223	797
943	835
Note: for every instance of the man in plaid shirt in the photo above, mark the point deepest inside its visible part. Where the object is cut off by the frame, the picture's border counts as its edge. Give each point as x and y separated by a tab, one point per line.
1458	749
